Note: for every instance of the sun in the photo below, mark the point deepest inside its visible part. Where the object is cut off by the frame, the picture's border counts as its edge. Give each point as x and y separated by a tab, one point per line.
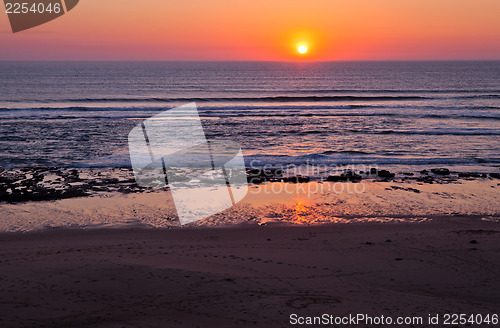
302	49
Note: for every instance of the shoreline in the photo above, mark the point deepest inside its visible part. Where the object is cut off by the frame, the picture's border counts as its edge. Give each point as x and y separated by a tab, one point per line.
35	184
354	220
436	220
273	203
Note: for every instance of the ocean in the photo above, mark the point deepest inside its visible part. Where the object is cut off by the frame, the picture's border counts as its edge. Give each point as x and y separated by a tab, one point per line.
399	115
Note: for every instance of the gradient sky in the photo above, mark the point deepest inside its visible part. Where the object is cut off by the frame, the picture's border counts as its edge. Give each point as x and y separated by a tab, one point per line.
262	30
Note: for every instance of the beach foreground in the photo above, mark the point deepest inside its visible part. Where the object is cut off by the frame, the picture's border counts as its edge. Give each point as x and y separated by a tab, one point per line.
248	275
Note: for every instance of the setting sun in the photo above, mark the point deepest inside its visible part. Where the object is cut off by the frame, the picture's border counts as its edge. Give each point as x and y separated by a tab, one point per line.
302	49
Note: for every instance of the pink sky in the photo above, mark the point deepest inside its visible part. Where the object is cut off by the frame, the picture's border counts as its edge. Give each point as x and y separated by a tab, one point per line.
262	30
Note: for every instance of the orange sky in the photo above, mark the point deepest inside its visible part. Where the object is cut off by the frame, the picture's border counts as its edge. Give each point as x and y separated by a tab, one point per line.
262	30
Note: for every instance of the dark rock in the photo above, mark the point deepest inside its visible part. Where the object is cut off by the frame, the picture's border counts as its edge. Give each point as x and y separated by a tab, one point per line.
73	178
38	177
345	177
274	172
73	192
111	181
297	179
351	175
409	174
469	175
333	178
304	179
373	170
385	174
473	241
6	180
426	179
254	179
424	172
495	175
253	172
441	171
264	175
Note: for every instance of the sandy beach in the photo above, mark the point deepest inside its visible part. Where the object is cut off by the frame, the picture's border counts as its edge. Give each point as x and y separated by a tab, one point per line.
247	275
393	248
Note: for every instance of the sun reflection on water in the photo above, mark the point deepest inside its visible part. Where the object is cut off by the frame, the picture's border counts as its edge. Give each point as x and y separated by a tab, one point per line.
303	213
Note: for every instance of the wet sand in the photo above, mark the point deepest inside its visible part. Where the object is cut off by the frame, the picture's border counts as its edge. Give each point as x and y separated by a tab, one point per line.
275	202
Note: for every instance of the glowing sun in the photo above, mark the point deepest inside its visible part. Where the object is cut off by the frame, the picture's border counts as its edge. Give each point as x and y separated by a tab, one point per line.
302	49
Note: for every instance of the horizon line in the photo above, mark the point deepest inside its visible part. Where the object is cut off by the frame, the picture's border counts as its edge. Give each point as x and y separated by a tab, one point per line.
252	61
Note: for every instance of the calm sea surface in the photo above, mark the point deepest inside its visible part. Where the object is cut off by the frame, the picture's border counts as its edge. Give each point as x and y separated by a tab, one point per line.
393	114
